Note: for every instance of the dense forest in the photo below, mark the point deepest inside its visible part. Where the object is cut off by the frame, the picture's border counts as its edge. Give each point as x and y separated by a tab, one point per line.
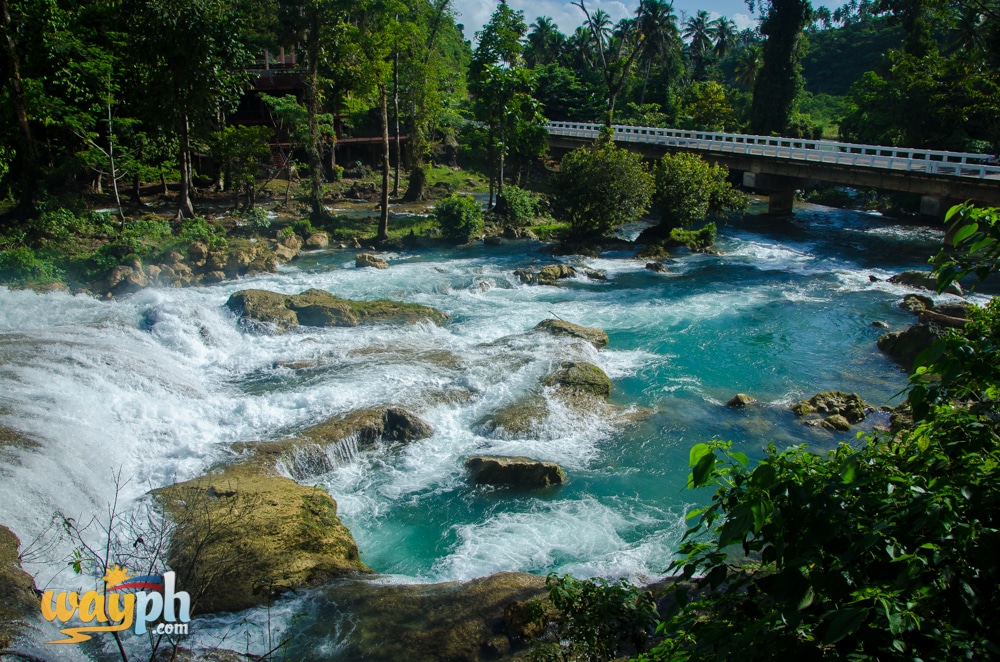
100	95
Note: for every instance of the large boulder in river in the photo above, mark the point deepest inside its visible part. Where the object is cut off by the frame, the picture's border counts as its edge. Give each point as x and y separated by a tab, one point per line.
580	378
830	403
514	471
320	308
923	280
241	538
596	337
18	600
905	346
316	241
362	260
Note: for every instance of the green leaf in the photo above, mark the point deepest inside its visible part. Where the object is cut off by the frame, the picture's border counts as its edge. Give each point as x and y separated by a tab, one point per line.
849	472
741	458
703	462
951	212
964	233
843	622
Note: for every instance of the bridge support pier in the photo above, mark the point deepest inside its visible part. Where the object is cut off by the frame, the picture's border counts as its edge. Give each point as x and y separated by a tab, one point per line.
780	191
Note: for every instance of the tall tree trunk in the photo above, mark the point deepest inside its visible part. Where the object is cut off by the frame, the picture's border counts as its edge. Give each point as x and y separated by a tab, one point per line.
395	115
312	108
645	82
185	208
29	153
491	157
503	153
383	219
136	190
114	174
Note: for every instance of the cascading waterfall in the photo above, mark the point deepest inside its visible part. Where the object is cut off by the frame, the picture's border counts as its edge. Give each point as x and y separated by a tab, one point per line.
160	384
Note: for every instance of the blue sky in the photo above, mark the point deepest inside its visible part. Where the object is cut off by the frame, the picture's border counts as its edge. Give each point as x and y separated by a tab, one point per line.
474	13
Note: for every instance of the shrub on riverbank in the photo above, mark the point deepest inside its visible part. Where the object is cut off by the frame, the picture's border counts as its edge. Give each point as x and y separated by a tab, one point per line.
600	188
460	218
688	189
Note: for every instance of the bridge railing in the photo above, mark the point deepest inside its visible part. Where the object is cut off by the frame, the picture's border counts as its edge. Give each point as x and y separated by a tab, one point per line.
955	164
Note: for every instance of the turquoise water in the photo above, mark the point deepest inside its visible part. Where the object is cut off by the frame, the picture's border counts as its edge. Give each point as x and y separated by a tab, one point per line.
160	383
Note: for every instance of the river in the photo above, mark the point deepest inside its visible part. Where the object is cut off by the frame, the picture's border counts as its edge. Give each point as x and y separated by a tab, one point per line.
157	384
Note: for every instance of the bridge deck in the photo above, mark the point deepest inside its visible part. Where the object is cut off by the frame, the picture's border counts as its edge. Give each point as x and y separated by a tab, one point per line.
825	152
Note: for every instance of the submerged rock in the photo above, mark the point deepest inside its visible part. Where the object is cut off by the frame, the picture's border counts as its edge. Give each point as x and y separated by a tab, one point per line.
596	337
241	538
924	280
458	622
848	405
514	471
546	275
740	400
320	308
580	386
658	267
18	599
905	346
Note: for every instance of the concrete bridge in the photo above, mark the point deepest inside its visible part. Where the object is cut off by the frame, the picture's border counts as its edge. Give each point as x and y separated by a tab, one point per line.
778	166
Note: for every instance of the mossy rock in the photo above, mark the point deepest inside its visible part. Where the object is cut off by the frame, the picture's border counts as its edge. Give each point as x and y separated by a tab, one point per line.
829	403
514	471
242	538
596	337
580	386
369	426
18	600
314	307
580	378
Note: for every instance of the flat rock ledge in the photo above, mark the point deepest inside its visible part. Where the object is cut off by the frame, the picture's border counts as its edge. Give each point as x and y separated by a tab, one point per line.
315	450
262	309
514	471
596	337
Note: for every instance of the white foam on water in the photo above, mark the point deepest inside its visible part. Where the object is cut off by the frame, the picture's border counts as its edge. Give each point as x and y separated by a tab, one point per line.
584	534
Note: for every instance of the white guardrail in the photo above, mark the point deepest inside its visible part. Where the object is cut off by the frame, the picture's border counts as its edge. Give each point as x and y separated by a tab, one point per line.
953	164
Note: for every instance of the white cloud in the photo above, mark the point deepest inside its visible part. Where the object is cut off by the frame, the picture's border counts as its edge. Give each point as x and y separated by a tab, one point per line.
744	21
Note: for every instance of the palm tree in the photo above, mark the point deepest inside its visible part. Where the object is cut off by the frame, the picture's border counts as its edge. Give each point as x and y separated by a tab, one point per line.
747	65
581	47
698	32
657	25
724	33
545	42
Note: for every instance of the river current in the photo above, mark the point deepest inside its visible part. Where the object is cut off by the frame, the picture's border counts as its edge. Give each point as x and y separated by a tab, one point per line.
157	385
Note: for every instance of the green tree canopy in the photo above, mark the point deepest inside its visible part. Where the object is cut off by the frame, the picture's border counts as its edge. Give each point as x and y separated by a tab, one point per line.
601	187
